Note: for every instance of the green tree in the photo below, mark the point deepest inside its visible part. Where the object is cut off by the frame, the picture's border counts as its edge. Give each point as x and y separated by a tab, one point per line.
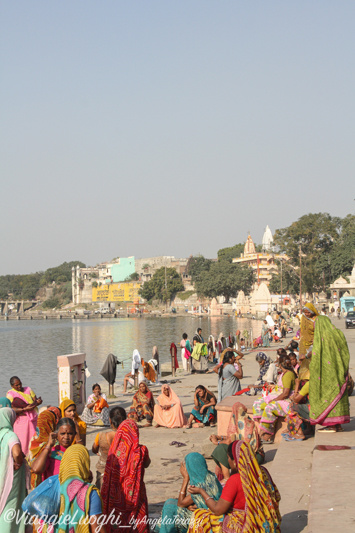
197	265
228	254
133	277
314	236
225	279
342	257
155	289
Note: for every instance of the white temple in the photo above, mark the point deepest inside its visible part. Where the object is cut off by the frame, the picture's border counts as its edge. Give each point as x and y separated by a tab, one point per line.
268	240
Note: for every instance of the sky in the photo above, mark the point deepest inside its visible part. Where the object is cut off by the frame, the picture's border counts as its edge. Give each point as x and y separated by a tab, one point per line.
153	128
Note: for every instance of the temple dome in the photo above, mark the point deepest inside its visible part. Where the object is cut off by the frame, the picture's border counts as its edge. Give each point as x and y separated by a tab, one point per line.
268	240
249	247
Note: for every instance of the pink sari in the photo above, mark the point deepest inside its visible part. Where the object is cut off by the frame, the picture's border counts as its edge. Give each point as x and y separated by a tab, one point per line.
26	423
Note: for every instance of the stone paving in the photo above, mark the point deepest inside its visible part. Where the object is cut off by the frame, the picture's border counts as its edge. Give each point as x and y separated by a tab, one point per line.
291	466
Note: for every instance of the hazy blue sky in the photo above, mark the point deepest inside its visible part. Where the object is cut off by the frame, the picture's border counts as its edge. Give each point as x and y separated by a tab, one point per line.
169	128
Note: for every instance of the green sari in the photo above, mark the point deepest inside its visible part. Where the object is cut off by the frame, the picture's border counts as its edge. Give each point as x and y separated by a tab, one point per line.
329	373
12	482
176	519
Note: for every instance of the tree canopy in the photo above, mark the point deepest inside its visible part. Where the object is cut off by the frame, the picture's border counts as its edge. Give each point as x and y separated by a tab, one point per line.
225	279
155	288
26	286
196	265
326	245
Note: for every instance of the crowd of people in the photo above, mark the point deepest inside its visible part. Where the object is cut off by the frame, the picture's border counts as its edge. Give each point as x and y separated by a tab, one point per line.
44	455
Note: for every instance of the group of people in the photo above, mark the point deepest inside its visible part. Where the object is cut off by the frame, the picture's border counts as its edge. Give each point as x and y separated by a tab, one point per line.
312	385
308	384
53	444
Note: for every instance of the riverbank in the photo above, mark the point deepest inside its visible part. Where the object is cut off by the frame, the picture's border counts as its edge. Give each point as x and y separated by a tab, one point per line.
303	475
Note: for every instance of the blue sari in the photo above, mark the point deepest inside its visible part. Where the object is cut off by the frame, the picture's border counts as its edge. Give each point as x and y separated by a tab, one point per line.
176	519
209	415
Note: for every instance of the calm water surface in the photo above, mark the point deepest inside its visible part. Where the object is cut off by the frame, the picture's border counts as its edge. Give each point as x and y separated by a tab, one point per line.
29	349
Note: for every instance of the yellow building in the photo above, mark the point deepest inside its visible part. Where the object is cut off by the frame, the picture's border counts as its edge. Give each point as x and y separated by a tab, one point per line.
263	263
117	292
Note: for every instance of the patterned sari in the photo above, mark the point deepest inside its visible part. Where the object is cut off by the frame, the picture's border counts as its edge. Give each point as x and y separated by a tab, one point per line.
123	489
261	513
329	374
46	423
75	491
142	406
176	519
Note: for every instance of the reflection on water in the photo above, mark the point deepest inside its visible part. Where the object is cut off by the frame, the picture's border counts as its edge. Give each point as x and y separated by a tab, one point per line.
29	349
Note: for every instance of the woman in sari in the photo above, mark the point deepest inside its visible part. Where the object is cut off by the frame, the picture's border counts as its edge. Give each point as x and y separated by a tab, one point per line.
241	427
168	411
24	402
142	405
268	408
204	408
267	373
309	315
265	334
80	502
177	513
96	411
248	503
329	375
4	402
148	371
228	376
12	474
46	462
68	409
123	489
297	419
103	441
46	424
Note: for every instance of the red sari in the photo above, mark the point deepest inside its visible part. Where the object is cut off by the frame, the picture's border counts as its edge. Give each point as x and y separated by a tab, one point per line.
123	489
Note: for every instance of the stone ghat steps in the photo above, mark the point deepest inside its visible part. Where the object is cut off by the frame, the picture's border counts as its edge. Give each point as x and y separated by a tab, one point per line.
332	500
317	487
291	471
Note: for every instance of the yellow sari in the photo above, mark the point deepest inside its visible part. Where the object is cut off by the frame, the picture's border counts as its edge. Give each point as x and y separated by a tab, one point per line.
261	511
306	340
64	406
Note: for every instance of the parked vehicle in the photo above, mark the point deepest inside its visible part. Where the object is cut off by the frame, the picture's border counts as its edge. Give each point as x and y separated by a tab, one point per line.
350	320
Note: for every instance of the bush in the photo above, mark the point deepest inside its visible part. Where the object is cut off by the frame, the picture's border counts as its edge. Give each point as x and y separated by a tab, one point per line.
51	303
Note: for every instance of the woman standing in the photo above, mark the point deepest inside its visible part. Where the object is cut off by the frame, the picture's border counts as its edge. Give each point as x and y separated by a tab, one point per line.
80	503
168	411
309	315
176	514
142	405
123	489
265	334
46	462
204	408
185	352
24	402
68	409
249	500
12	470
96	411
46	424
104	440
329	374
228	376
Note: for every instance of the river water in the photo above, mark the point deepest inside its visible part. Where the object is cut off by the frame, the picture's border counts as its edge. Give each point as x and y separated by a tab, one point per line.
29	349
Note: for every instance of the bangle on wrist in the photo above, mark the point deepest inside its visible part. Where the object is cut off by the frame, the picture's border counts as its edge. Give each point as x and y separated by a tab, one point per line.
183	493
209	498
